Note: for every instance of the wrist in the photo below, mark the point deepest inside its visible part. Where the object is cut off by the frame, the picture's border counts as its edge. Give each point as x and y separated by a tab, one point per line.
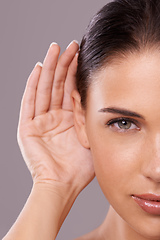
61	196
56	189
44	212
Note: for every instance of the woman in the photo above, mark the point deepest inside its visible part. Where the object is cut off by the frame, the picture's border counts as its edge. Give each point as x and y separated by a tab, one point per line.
108	125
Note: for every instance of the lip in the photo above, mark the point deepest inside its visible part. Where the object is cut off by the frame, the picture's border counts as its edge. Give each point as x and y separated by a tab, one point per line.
150	203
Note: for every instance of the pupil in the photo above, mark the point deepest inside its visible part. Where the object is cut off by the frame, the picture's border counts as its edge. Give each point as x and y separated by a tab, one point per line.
124	122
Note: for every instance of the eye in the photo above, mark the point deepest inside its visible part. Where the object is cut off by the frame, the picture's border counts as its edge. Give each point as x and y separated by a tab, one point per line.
123	124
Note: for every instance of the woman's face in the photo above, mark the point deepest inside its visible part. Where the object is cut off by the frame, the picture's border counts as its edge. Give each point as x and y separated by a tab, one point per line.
123	130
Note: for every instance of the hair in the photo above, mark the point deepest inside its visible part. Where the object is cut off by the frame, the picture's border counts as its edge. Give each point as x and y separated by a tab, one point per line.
120	27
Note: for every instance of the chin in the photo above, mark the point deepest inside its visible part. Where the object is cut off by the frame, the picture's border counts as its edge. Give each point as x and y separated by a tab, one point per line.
153	233
138	223
151	236
149	229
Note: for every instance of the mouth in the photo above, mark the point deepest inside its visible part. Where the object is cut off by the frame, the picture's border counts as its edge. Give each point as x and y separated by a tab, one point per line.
150	203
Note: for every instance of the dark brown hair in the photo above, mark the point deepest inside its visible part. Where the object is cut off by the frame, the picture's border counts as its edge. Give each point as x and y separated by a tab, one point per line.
120	27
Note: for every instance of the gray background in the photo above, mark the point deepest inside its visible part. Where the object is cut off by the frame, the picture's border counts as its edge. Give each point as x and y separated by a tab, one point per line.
27	29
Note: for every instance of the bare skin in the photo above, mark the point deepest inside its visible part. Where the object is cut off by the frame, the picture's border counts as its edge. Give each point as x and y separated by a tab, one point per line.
50	148
94	235
57	140
46	118
122	130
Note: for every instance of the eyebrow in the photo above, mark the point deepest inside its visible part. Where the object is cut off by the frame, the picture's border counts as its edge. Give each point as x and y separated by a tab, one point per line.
122	111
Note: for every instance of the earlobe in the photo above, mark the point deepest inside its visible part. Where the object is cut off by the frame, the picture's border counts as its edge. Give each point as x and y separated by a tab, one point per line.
79	119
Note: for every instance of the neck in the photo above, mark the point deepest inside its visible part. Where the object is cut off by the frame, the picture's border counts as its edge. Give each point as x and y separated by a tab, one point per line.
115	228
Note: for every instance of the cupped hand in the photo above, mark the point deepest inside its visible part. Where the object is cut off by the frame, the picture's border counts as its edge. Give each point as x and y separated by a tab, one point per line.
46	132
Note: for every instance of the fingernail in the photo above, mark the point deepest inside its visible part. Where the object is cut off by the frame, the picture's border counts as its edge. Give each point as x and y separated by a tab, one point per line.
71	43
53	43
39	64
77	53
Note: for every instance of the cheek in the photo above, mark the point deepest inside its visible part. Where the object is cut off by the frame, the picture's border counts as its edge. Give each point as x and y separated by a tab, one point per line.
117	161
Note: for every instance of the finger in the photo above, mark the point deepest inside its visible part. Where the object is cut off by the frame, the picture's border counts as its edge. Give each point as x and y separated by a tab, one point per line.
27	109
70	84
72	70
44	89
60	75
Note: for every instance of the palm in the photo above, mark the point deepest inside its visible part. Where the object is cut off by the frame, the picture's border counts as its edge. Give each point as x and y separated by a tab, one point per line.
49	142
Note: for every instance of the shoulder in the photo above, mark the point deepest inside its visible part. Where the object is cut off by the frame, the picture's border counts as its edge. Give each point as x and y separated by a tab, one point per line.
94	235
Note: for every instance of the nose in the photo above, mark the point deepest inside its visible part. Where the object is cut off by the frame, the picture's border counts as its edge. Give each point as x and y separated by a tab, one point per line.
151	164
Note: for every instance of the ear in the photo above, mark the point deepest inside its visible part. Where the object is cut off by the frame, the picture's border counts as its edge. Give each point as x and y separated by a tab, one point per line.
79	119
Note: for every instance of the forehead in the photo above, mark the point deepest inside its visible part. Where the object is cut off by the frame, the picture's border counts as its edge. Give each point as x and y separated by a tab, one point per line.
132	83
137	76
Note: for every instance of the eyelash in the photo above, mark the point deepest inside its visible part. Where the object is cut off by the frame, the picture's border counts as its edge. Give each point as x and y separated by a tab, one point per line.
118	120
